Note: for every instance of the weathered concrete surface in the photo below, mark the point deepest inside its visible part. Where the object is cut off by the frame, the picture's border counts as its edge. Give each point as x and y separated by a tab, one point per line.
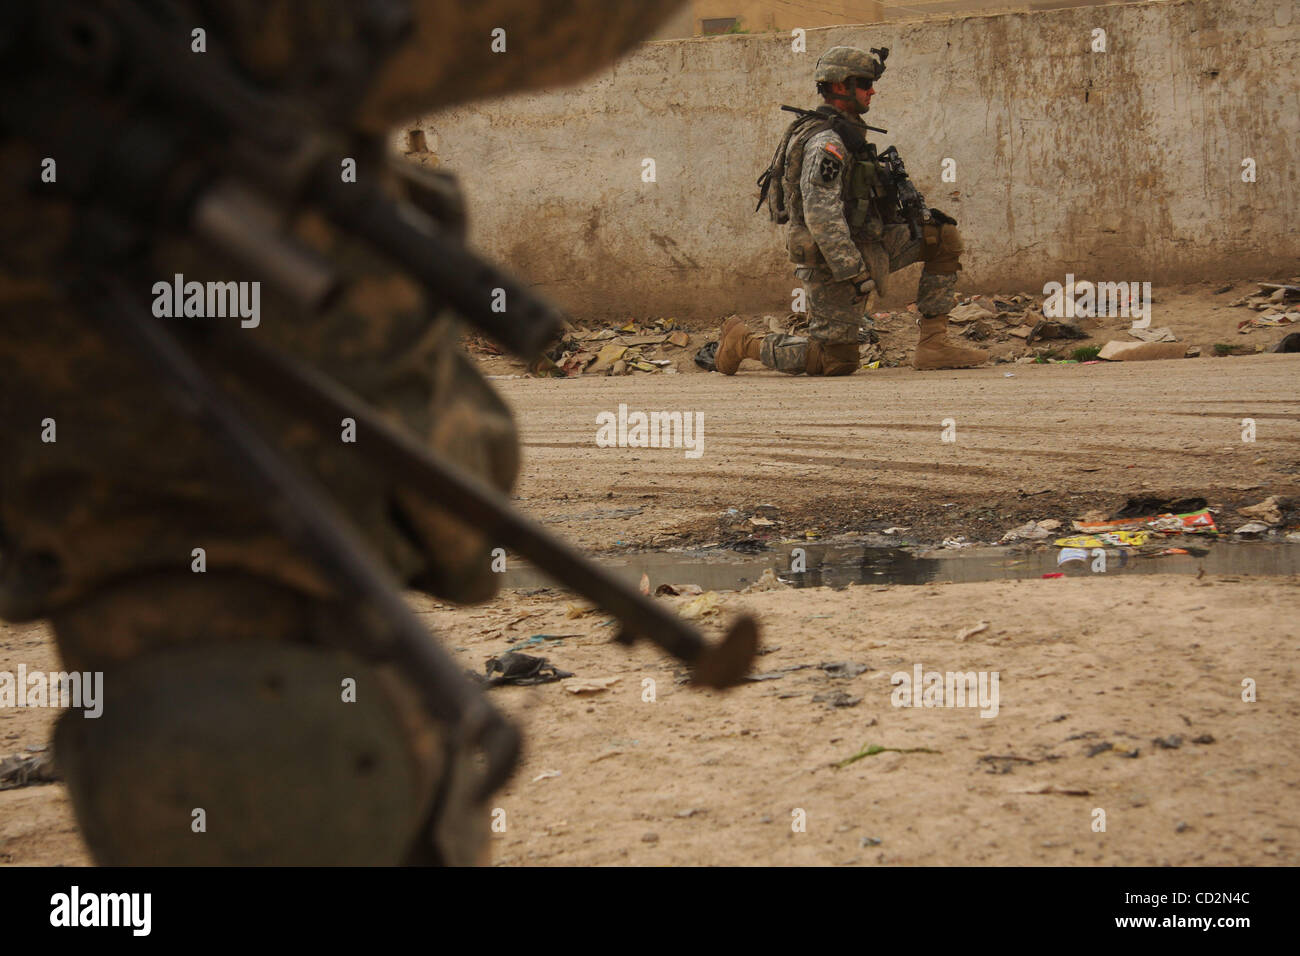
1121	166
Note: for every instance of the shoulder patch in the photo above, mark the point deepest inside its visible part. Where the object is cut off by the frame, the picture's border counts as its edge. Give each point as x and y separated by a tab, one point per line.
834	149
828	168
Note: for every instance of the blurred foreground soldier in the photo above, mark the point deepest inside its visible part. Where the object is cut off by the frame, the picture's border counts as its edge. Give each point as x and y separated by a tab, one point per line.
244	719
854	218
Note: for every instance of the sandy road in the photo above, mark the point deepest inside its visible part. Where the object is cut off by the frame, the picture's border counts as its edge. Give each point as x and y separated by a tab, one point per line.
866	452
1093	671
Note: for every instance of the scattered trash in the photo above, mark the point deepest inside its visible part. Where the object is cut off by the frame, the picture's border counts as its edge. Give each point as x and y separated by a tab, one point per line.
761	522
870	841
1111	539
541	640
702	606
1032	531
1145	506
1050	789
24	770
1267	511
767	581
607	356
674	590
1118	351
1071	554
1168	743
1270	320
1153	335
957	541
1252	527
969	313
1200	521
966	632
644	586
844	669
894	530
546	775
589	685
1100	749
706	357
1045	329
521	670
1055	574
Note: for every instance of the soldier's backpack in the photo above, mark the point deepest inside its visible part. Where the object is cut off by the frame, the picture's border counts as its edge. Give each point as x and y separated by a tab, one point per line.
781	178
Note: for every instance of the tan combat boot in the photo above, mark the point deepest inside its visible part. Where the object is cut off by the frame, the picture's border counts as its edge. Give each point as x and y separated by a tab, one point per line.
736	344
933	350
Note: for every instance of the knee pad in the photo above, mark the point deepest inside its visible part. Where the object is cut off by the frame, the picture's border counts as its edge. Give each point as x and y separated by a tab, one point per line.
235	731
837	358
249	754
943	248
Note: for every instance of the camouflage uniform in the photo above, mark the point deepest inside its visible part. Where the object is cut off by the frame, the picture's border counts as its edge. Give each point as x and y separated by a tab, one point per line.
837	240
830	261
222	689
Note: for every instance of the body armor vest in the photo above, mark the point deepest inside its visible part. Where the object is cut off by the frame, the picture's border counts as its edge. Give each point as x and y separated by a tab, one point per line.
859	182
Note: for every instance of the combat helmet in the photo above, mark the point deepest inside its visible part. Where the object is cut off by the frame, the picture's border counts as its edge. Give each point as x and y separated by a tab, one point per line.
840	63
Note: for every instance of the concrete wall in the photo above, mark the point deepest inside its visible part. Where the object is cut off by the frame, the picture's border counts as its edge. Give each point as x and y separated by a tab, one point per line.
757	16
1124	165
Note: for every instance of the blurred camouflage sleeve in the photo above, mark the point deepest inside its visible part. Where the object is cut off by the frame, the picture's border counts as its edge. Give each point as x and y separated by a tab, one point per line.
546	43
824	161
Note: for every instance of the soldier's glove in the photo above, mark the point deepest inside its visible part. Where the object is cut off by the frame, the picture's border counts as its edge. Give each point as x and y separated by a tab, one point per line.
864	288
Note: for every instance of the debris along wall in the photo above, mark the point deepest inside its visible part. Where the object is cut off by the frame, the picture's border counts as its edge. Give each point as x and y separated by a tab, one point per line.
634	194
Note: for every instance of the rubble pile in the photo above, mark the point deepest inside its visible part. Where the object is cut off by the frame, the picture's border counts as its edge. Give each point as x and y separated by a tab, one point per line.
650	347
1013	321
1275	305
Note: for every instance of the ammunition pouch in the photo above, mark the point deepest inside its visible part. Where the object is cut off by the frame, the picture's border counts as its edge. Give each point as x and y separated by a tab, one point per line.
802	247
860	187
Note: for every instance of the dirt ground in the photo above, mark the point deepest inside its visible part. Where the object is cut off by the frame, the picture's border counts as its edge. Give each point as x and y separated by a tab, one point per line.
703	777
865	453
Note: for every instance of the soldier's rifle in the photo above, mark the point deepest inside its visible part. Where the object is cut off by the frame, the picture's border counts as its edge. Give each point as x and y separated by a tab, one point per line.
155	141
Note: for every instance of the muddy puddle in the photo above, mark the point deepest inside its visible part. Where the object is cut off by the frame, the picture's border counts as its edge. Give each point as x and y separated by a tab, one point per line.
842	565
